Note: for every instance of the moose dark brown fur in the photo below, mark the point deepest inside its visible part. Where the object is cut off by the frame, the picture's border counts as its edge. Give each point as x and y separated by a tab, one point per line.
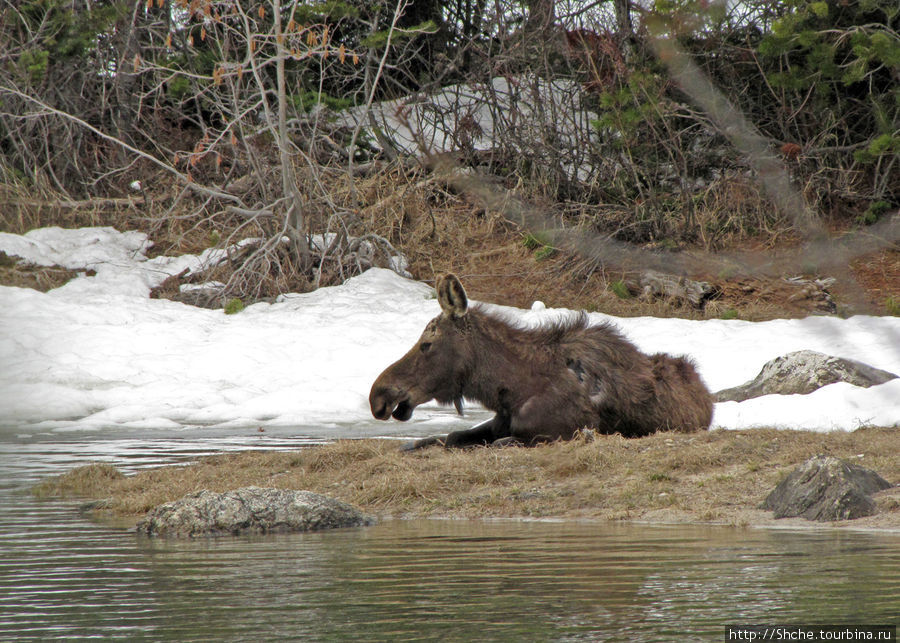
543	383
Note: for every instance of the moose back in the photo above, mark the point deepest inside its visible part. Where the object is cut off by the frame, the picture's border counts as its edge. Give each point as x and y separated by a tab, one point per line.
543	383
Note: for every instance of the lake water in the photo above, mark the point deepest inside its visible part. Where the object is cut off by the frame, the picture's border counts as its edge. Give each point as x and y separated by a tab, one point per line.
65	577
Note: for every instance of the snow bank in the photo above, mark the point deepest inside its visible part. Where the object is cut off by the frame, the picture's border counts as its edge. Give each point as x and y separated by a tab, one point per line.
98	353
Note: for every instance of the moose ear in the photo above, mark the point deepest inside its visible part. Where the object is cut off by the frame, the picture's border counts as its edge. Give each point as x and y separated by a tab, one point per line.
452	296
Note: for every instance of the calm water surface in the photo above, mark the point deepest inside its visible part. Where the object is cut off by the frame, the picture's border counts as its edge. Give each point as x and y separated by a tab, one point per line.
64	577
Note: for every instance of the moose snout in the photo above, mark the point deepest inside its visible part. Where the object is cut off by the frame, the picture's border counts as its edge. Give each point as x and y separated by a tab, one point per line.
382	406
387	401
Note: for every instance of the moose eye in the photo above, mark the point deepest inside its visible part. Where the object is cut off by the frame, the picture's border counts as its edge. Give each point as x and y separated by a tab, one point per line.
425	347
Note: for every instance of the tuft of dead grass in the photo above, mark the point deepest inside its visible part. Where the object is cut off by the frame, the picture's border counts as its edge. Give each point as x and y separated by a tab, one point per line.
89	481
21	274
719	476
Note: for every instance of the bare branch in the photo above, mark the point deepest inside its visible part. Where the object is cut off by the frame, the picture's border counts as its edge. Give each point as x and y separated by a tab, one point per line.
112	139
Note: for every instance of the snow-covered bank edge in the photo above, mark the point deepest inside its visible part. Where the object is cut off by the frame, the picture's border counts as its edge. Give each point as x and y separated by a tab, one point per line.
98	354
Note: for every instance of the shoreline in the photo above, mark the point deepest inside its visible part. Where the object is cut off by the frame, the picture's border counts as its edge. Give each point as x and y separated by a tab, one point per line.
759	519
859	525
711	478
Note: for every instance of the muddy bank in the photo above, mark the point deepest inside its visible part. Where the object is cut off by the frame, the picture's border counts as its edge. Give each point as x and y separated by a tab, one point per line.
715	477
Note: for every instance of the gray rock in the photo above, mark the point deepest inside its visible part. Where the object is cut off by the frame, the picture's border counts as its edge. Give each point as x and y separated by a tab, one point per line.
803	372
826	488
250	510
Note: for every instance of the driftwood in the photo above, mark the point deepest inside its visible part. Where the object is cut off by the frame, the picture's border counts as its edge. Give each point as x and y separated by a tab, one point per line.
794	295
793	292
814	291
86	203
652	283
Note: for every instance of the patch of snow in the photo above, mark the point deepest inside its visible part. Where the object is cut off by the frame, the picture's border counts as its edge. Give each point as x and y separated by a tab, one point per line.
207	285
466	117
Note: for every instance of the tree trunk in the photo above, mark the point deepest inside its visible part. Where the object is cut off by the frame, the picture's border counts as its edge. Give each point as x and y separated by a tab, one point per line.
624	27
295	220
541	17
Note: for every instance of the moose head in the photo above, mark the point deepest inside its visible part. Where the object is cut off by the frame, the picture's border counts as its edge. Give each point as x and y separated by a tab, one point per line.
436	367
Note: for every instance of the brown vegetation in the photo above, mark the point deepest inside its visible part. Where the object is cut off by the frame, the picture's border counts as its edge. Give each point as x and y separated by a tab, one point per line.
759	124
440	230
719	476
23	275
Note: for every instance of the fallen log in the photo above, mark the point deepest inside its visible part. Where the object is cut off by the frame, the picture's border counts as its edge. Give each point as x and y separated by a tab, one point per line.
84	203
652	283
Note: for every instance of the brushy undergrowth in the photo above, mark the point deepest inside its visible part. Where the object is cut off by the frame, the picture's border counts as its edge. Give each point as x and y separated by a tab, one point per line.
717	476
437	231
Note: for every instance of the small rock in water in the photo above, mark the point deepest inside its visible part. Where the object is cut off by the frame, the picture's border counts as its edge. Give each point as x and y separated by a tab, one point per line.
803	372
826	488
250	510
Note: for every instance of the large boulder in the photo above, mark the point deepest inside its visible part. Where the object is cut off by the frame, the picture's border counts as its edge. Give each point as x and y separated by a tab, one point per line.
803	372
826	488
250	510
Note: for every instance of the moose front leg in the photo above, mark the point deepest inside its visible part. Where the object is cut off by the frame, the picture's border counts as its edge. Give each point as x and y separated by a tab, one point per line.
480	434
484	433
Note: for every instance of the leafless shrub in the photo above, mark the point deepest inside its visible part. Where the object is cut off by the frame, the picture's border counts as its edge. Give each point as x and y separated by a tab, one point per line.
279	120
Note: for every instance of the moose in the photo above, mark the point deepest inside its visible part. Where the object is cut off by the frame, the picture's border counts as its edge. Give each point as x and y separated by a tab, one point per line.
543	383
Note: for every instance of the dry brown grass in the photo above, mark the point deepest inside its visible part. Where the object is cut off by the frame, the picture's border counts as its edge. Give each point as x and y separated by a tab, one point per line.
42	278
186	229
440	230
720	476
443	231
879	276
25	209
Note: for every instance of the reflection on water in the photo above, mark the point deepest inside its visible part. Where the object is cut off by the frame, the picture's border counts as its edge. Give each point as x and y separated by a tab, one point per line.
64	577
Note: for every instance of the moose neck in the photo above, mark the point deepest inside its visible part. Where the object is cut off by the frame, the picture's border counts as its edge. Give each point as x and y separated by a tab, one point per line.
505	367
